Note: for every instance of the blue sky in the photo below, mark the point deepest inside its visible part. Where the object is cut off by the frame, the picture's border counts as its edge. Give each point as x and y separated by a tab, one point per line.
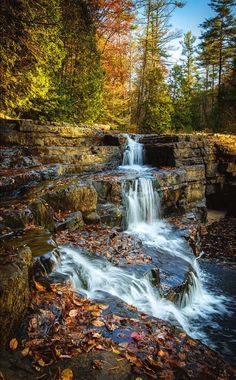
189	18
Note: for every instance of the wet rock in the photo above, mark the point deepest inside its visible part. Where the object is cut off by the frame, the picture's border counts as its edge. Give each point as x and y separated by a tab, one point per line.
154	277
14	292
111	140
79	197
43	214
180	294
18	219
201	212
108	191
71	222
110	214
195	192
102	365
92	218
45	264
97	365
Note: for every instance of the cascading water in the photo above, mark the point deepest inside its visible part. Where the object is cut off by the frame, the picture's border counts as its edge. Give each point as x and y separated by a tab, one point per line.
133	153
92	277
142	201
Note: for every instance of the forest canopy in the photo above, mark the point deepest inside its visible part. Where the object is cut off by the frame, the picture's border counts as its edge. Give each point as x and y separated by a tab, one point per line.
109	61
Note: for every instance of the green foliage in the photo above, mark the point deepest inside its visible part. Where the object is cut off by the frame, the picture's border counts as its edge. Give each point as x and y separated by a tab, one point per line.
50	66
182	84
31	53
157	105
218	55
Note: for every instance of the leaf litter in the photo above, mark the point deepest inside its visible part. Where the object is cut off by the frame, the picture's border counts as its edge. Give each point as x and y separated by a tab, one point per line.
118	247
63	325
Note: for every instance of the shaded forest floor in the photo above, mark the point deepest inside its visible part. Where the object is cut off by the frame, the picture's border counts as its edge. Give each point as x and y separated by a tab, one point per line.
219	241
71	337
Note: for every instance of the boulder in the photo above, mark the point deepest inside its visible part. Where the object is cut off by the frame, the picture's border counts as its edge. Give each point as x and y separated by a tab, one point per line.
14	292
110	214
92	218
43	214
18	219
78	197
154	277
71	222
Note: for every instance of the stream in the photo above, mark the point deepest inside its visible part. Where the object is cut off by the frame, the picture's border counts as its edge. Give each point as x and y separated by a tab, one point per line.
205	309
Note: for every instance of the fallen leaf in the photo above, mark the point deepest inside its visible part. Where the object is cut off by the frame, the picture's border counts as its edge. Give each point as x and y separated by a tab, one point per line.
26	351
39	287
102	306
161	353
98	323
13	344
66	374
73	313
136	336
115	350
96	335
41	362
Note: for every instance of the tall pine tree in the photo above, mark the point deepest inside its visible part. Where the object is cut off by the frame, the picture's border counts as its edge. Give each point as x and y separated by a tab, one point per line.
218	47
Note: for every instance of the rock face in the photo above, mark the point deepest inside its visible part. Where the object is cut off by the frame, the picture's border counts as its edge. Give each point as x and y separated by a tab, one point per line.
80	197
191	169
214	154
14	293
42	214
72	222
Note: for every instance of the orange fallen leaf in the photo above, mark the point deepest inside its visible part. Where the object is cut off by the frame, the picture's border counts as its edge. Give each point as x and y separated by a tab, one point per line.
115	350
96	313
26	351
66	374
13	344
39	287
161	353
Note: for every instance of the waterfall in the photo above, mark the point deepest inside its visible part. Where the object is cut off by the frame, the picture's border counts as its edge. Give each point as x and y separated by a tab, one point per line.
143	202
95	278
133	153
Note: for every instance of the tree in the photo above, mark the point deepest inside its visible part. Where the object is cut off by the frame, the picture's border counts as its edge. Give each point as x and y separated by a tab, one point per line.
189	61
183	86
114	31
31	52
81	74
218	48
154	42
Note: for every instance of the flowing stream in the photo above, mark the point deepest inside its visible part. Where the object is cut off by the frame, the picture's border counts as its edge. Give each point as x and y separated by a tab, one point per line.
96	278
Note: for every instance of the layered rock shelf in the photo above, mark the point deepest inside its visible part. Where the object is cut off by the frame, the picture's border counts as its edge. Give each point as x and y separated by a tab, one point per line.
57	177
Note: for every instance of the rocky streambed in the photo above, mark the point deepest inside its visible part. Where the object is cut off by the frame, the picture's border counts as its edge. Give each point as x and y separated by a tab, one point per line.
67	228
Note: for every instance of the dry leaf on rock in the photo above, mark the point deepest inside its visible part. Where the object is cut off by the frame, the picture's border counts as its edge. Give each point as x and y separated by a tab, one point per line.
98	323
67	374
13	344
39	287
73	313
